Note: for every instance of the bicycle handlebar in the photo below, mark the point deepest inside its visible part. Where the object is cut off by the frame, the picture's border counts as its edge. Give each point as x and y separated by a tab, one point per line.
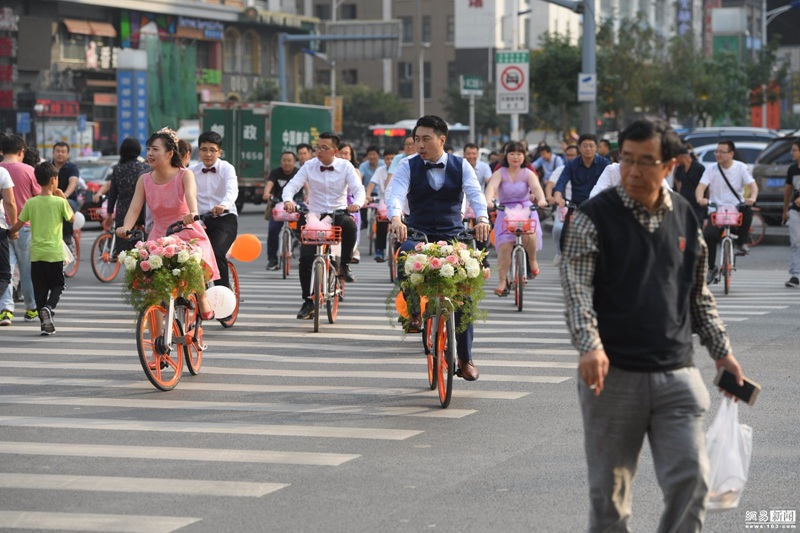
461	236
337	212
135	235
177	227
501	207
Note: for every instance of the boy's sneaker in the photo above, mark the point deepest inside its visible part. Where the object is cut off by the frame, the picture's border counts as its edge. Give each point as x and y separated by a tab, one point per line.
31	315
46	316
5	317
793	282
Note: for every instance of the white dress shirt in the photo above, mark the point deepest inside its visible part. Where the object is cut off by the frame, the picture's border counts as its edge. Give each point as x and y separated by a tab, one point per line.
220	187
5	183
327	190
402	178
379	178
483	172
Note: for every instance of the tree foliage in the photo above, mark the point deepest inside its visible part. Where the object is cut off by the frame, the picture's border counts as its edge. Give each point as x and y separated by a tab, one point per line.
554	73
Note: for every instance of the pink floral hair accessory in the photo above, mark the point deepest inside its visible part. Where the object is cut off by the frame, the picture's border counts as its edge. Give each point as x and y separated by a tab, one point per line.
171	134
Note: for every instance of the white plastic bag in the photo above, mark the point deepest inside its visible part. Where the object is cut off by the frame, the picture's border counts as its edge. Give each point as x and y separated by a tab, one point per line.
729	445
68	257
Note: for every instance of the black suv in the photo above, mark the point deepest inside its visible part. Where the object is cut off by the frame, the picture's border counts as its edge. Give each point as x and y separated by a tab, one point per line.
769	172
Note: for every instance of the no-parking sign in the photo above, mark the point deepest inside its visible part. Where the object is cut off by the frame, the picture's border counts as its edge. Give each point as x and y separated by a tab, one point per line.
513	82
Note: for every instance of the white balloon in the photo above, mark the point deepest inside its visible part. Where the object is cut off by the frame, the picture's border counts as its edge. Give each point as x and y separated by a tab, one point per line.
222	300
79	220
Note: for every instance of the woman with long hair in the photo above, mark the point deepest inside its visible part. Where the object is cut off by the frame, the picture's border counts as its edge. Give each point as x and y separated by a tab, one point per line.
347	152
513	185
171	195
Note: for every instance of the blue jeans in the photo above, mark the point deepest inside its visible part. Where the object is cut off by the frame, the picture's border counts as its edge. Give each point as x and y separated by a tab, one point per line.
273	236
20	256
794	240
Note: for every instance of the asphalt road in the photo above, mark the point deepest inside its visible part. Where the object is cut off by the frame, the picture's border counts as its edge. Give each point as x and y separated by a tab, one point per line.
288	430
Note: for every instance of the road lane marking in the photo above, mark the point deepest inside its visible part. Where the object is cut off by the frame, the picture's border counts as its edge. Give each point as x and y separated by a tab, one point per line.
220	428
110	523
436	412
150	453
193	487
257	388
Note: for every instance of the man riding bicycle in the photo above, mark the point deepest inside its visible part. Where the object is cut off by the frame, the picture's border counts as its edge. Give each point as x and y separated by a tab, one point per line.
330	179
435	183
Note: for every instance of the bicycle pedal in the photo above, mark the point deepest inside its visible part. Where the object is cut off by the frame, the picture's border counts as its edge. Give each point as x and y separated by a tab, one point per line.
202	347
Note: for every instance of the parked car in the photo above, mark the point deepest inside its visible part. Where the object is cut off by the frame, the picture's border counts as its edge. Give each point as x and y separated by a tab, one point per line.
746	152
769	172
703	136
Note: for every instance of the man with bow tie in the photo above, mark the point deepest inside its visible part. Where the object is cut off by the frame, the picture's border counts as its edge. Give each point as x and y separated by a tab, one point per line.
329	180
217	190
435	184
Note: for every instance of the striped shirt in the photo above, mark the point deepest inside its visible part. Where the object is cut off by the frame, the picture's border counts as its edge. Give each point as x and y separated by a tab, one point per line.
578	264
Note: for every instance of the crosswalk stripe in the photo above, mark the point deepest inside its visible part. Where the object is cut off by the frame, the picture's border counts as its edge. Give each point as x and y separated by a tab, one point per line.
226	428
110	523
245	387
428	412
194	487
282	372
151	453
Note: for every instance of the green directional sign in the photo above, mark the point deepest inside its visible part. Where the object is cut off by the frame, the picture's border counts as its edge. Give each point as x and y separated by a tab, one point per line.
471	86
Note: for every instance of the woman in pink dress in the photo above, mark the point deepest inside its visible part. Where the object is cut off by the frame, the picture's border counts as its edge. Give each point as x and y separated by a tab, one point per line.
514	185
171	195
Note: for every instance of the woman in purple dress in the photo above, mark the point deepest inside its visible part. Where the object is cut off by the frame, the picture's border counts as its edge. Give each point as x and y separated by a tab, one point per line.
514	185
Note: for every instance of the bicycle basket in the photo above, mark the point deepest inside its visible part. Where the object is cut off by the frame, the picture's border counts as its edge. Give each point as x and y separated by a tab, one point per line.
332	235
527	226
726	216
279	215
95	213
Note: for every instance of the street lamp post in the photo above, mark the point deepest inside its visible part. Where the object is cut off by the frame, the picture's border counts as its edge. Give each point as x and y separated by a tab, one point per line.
422	47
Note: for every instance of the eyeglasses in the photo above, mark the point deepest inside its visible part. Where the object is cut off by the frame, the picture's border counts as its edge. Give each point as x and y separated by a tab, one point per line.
323	148
630	162
208	150
722	151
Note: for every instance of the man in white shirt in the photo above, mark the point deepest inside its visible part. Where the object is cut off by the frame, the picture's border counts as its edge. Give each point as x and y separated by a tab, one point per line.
217	190
329	180
8	207
482	171
725	182
377	184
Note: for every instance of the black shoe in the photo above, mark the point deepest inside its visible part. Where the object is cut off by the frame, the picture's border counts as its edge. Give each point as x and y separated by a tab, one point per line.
793	282
272	264
344	272
307	311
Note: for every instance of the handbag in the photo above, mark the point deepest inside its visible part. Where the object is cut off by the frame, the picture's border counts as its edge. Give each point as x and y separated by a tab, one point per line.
730	446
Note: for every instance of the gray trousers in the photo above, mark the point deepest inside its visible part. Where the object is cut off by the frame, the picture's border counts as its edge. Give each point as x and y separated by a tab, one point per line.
668	407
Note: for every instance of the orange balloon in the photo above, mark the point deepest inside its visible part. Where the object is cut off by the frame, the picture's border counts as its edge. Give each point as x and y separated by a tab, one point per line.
246	248
401	305
491	236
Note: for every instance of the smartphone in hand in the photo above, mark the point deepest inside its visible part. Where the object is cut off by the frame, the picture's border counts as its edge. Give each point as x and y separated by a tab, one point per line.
726	381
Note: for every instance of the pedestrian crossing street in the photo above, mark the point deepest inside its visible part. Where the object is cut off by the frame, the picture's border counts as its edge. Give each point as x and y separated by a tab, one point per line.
80	425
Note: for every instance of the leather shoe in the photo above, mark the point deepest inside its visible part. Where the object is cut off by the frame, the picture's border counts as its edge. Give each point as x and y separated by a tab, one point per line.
468	370
307	311
344	272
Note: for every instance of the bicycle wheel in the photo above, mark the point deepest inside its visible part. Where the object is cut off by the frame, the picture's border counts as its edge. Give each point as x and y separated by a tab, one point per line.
286	253
104	265
445	350
519	277
332	298
757	229
161	366
193	335
727	265
233	279
318	286
427	343
75	247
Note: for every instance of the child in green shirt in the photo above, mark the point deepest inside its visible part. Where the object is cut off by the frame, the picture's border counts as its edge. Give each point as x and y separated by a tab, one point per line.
46	213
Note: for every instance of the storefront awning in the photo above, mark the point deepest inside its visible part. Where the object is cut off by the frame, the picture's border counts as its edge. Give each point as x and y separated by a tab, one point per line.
85	27
103	29
78	26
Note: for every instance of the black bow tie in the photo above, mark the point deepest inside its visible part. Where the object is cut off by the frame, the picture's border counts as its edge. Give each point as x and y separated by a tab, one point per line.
212	169
323	168
429	166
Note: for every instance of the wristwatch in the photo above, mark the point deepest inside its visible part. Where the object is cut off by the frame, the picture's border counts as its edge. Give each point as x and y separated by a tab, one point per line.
482	220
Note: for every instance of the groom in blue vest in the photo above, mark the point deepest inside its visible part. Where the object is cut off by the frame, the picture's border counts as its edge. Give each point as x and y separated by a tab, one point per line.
435	183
